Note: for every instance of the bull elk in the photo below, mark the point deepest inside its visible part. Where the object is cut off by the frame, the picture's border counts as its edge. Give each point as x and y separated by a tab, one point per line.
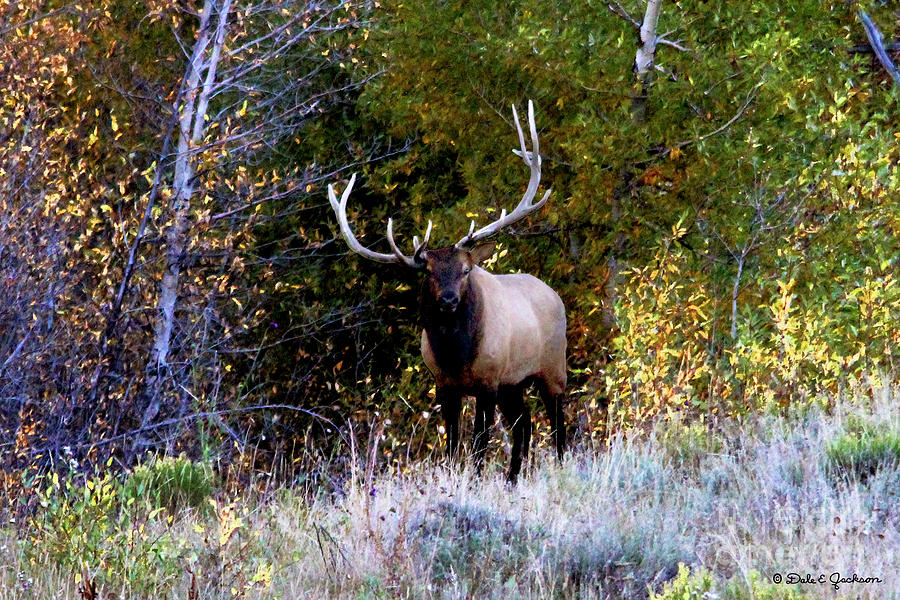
485	335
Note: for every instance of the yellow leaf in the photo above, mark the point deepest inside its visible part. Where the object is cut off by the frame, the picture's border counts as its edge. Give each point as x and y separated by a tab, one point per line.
263	575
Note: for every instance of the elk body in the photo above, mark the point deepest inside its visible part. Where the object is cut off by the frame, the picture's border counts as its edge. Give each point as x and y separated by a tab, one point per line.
485	335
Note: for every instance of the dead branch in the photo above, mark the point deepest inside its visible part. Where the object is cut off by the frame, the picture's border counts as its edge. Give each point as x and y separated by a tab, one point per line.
875	40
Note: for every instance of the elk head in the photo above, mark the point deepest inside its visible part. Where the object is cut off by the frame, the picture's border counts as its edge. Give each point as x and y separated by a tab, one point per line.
448	273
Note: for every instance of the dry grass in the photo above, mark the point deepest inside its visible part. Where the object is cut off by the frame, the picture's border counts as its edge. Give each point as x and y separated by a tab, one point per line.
743	501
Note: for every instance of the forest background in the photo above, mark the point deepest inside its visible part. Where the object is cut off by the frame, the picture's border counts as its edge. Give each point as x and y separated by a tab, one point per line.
722	229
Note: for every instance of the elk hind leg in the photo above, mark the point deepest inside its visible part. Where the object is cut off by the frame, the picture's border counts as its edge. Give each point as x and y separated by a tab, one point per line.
518	419
553	394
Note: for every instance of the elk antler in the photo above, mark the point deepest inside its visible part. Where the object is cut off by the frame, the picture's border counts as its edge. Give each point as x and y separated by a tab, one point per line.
340	209
525	206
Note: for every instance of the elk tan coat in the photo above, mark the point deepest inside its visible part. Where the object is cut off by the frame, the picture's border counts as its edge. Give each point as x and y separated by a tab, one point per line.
523	335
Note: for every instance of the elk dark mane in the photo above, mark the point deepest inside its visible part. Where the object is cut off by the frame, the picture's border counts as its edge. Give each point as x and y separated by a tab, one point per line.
454	337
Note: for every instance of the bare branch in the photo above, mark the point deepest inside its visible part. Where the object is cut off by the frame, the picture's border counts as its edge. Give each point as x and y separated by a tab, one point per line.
867	49
878	46
620	10
671	44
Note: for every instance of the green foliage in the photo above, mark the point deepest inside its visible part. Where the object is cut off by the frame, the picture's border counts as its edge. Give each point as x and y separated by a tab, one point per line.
686	585
171	482
90	529
701	584
861	451
729	247
757	587
727	206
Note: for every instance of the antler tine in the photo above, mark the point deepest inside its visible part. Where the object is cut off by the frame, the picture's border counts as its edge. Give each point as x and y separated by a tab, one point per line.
425	240
523	152
419	248
526	205
397	253
340	210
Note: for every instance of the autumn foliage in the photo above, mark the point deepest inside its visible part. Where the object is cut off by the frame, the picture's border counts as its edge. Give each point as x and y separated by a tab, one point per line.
723	231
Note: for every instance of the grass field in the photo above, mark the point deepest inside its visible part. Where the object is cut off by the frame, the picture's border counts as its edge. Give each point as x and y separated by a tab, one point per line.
739	504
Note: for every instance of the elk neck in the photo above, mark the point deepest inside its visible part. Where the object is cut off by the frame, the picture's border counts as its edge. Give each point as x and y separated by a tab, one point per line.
454	337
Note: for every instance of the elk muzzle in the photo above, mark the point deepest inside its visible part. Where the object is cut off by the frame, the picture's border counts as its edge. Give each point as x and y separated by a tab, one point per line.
448	301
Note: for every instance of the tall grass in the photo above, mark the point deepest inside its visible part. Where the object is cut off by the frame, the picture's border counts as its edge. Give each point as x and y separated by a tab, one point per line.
687	511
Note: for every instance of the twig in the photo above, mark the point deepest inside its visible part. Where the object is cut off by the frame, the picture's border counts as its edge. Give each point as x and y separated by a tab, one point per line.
619	10
195	417
750	97
37	18
867	49
878	46
665	151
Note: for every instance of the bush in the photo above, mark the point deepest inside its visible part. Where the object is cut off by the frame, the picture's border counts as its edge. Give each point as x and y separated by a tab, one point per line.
86	528
701	585
757	588
686	585
171	482
862	451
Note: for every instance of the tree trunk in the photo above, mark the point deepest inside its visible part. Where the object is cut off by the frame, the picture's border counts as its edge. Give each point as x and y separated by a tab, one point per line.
734	294
192	126
645	60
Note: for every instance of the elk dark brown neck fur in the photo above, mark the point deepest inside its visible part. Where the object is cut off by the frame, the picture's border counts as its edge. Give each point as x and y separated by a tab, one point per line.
454	336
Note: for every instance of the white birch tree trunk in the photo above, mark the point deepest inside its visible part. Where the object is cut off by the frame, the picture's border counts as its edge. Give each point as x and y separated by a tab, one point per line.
200	77
645	59
644	64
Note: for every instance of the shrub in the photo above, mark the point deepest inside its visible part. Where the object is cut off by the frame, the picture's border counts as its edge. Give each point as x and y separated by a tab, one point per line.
85	527
862	451
701	585
755	587
171	482
686	585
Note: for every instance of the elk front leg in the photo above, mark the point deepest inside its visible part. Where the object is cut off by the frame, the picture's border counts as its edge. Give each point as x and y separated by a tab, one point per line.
485	402
450	400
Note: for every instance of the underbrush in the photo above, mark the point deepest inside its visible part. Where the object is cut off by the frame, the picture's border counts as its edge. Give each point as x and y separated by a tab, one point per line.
770	508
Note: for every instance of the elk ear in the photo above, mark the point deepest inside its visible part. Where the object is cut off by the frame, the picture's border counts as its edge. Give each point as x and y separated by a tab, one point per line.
482	252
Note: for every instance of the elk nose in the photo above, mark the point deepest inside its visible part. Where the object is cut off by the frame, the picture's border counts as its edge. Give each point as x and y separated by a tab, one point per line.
448	301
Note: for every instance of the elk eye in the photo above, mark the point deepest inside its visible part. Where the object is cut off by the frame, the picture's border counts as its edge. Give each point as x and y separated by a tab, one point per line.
466	270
